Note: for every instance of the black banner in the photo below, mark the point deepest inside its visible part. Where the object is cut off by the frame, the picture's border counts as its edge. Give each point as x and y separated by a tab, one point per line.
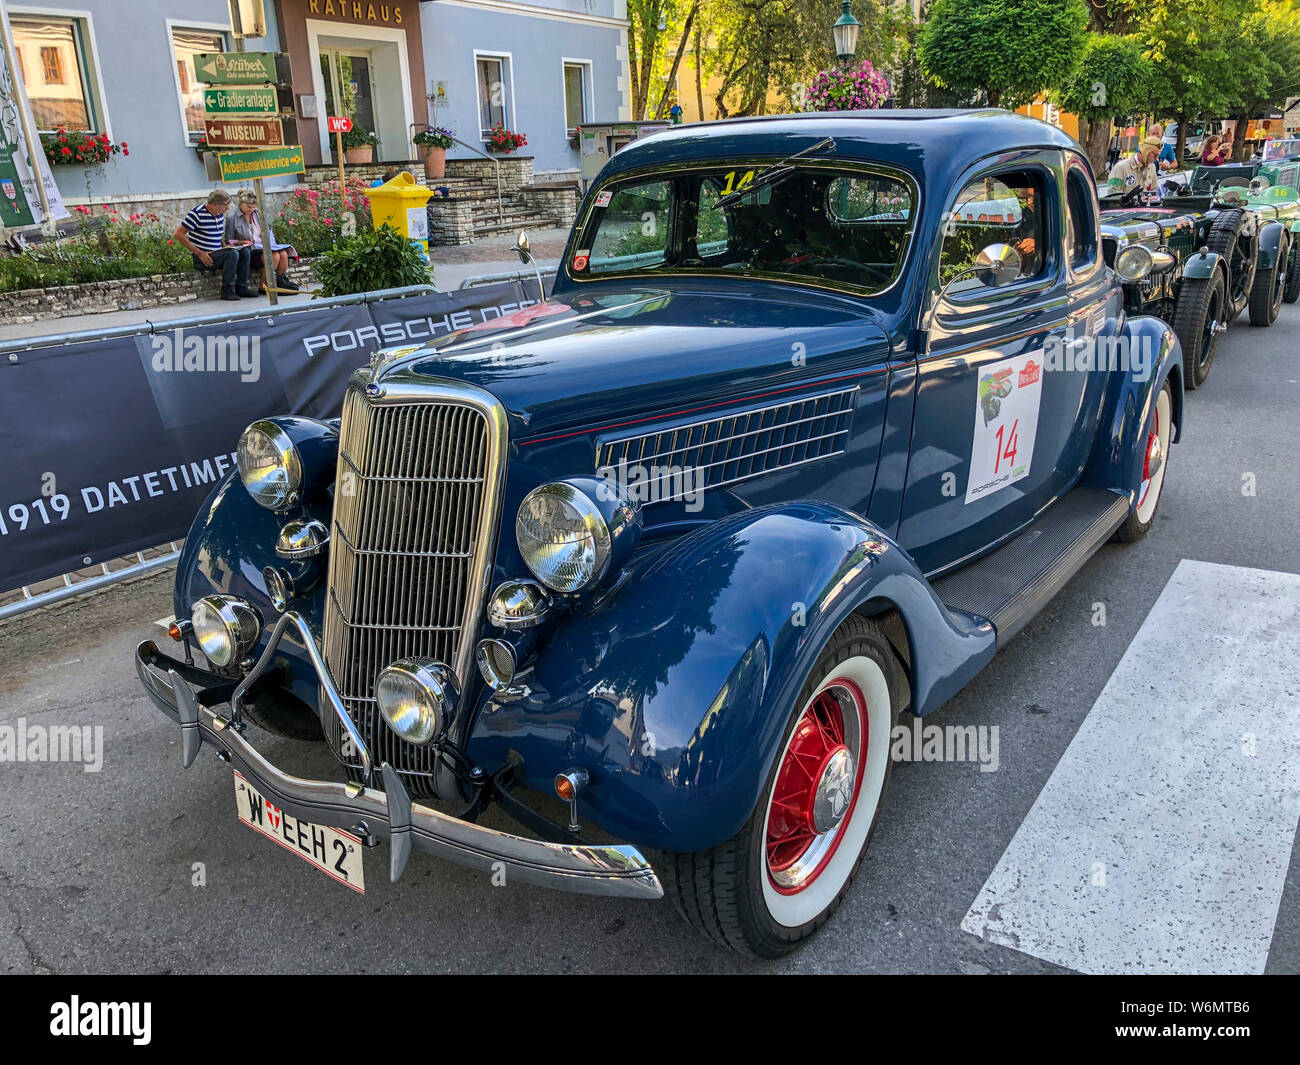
111	446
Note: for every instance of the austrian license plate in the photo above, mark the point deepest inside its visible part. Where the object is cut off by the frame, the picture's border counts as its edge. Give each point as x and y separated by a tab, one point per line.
335	853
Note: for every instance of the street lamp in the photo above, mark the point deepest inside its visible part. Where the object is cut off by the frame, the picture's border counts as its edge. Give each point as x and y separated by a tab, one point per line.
846	29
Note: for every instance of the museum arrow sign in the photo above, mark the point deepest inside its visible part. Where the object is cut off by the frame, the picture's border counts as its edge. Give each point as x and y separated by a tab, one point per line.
249	132
242	68
269	162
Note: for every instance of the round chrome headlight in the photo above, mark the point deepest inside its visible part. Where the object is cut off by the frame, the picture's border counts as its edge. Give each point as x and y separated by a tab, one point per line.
269	465
226	628
562	537
417	697
1133	263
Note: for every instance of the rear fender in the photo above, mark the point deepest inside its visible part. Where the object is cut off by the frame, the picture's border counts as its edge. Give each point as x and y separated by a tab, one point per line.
675	692
1118	451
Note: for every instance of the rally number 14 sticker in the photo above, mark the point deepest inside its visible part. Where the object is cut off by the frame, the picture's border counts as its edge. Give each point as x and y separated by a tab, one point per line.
1006	422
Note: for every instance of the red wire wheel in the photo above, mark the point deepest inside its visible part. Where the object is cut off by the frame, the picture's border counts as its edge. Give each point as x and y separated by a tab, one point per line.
817	786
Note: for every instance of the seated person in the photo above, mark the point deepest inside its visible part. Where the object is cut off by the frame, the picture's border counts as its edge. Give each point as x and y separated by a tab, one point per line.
244	230
203	231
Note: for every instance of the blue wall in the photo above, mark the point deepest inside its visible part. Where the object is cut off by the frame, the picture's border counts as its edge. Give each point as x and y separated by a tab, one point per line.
452	33
133	48
130	45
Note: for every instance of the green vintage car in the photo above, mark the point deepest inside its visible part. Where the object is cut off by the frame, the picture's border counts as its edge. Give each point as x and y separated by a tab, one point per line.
1226	243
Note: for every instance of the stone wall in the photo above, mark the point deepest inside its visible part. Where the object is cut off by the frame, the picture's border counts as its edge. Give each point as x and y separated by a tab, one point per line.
516	171
451	221
558	201
98	297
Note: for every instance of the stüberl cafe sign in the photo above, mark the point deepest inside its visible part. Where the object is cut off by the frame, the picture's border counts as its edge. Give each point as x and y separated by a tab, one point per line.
358	11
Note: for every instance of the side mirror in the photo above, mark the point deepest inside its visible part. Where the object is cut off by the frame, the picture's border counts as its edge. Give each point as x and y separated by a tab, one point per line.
997	265
523	247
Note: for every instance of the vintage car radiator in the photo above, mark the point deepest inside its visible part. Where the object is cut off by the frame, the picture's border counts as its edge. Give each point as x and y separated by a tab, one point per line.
413	501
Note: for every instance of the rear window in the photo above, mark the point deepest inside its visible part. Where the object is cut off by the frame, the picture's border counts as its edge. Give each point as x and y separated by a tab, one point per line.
845	228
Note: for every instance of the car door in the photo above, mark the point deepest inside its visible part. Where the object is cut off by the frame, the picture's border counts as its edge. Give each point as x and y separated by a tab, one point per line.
997	424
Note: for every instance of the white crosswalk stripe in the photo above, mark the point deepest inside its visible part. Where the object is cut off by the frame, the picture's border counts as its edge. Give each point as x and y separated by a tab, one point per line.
1160	844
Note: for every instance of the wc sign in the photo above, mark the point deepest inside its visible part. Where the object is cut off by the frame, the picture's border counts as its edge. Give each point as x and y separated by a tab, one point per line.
340	124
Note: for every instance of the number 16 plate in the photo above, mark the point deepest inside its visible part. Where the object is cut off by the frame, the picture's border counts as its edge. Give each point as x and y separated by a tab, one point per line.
335	853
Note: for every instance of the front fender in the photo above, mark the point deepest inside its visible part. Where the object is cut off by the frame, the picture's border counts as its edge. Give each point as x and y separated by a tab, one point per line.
1271	238
674	694
1203	264
231	541
1153	356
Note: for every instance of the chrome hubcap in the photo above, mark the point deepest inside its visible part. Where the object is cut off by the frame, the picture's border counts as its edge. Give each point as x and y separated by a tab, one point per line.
834	790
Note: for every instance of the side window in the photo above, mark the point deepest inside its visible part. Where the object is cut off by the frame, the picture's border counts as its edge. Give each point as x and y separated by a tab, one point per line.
634	229
1006	209
712	237
1081	227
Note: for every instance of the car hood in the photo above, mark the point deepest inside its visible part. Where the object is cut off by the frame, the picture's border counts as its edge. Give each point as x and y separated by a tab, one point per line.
1144	225
620	351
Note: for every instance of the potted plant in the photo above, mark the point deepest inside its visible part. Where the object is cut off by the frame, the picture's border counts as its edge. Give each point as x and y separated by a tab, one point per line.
435	141
72	147
503	141
359	145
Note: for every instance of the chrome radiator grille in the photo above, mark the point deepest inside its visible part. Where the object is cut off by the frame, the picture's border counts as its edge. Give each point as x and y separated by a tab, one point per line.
738	446
414	503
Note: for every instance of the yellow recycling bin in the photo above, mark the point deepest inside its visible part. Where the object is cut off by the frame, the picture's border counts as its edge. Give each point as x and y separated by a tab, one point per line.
401	203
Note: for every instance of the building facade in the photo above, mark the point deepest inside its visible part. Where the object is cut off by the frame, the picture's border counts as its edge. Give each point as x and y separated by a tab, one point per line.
124	69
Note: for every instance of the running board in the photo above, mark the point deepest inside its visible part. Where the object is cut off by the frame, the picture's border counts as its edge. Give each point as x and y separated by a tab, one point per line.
1013	583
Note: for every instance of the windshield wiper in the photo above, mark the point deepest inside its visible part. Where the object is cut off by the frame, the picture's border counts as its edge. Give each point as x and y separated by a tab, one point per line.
774	174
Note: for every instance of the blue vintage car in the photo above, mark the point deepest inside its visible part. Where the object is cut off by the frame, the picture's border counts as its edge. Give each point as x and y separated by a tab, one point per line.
822	411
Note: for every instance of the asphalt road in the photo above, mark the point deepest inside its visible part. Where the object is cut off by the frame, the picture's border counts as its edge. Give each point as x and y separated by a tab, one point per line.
97	869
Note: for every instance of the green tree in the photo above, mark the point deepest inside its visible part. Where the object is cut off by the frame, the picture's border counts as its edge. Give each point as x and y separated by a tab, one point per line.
1202	60
1273	34
1009	51
1111	79
755	47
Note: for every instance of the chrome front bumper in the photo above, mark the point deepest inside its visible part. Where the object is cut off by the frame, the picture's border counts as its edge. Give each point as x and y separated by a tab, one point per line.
617	870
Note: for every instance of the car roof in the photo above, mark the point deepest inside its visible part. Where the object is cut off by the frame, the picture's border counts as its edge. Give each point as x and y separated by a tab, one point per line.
930	144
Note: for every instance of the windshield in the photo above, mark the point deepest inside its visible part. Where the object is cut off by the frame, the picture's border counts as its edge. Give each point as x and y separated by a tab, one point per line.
843	227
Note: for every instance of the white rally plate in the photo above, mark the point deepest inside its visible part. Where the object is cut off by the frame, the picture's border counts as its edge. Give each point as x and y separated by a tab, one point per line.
335	853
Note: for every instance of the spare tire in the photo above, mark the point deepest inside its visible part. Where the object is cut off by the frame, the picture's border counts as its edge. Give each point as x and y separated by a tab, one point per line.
1234	234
